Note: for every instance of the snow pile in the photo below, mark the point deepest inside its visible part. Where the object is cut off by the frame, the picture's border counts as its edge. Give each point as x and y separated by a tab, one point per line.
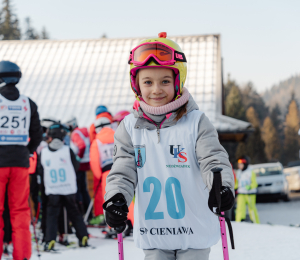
253	242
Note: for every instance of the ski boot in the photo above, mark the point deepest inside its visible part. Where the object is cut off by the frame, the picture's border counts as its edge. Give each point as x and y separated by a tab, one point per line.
110	234
63	240
98	221
6	252
83	242
49	246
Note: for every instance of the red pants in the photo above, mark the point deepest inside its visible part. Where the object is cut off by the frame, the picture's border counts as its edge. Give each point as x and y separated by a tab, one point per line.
98	199
16	180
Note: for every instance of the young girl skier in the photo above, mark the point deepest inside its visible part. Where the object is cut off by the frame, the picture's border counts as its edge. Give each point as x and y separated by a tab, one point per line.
164	151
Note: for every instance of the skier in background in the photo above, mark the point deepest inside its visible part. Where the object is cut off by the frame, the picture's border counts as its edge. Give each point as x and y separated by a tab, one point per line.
101	111
246	185
80	144
19	121
59	166
101	154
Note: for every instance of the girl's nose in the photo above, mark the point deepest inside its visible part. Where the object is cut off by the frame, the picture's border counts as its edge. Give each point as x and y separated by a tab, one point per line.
157	89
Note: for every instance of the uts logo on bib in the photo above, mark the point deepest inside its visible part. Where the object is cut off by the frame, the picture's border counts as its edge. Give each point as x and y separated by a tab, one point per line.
177	152
140	155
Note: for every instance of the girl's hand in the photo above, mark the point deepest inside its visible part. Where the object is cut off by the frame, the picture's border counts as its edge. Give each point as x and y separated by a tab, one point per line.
116	211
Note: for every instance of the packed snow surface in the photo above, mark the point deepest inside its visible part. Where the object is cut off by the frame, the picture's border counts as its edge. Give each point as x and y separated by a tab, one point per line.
252	241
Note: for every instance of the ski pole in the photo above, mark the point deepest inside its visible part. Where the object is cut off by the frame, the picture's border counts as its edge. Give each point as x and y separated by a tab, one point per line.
217	184
37	213
66	224
34	231
120	242
224	237
119	230
86	216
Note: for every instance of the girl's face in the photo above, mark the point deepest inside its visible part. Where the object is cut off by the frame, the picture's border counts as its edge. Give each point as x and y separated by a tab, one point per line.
241	166
156	86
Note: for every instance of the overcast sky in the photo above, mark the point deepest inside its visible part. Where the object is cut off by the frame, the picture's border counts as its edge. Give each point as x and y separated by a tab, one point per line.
260	38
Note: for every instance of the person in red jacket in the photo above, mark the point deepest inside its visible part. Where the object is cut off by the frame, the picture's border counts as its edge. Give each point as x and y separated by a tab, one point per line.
80	144
101	111
19	121
101	155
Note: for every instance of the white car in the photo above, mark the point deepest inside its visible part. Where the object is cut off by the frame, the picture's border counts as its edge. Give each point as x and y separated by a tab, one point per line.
292	175
271	180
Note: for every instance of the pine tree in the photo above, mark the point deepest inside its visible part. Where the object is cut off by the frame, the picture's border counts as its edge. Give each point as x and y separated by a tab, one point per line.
252	117
45	34
255	146
30	33
275	117
241	150
291	137
250	98
1	34
271	140
233	106
9	26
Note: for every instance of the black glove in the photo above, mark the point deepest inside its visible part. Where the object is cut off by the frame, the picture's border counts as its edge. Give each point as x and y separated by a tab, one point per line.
227	199
116	211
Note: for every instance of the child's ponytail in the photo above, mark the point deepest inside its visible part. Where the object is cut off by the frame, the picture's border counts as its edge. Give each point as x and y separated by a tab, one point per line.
181	111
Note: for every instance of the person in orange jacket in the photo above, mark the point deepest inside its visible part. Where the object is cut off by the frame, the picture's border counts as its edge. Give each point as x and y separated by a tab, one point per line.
101	160
101	111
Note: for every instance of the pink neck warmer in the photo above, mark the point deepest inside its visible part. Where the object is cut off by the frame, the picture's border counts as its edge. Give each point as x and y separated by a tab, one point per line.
172	106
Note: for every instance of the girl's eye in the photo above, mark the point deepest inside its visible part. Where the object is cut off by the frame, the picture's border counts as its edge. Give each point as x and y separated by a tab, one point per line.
148	82
166	81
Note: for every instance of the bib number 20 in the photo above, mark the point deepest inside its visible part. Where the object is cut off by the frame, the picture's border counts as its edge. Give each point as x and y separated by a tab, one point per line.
175	201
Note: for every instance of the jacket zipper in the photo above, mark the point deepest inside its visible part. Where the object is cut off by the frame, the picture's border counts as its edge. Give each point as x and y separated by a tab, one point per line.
158	132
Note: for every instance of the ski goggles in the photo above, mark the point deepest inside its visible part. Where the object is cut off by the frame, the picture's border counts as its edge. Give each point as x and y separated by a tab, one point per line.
160	52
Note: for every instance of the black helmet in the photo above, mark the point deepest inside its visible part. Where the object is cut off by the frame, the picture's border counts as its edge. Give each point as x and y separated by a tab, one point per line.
10	72
47	122
57	130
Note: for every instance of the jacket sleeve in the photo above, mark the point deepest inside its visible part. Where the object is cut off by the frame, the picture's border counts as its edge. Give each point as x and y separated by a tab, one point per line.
92	133
79	143
75	163
210	153
35	129
95	160
123	175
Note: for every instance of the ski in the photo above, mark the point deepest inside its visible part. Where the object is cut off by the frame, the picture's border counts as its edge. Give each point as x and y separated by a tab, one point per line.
96	226
76	247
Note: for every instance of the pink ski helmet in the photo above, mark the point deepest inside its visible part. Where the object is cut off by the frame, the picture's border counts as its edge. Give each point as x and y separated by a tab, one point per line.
120	116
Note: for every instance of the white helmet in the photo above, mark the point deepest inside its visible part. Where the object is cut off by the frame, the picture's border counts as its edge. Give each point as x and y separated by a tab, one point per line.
72	122
101	122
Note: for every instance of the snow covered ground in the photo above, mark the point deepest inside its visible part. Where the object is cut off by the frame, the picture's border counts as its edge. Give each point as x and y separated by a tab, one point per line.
280	213
253	242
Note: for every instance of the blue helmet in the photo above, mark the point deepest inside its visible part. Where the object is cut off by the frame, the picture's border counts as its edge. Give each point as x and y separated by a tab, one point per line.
9	72
100	109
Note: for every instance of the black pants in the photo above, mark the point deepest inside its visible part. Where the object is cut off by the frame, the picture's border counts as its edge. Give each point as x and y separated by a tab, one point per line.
82	196
6	218
54	205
